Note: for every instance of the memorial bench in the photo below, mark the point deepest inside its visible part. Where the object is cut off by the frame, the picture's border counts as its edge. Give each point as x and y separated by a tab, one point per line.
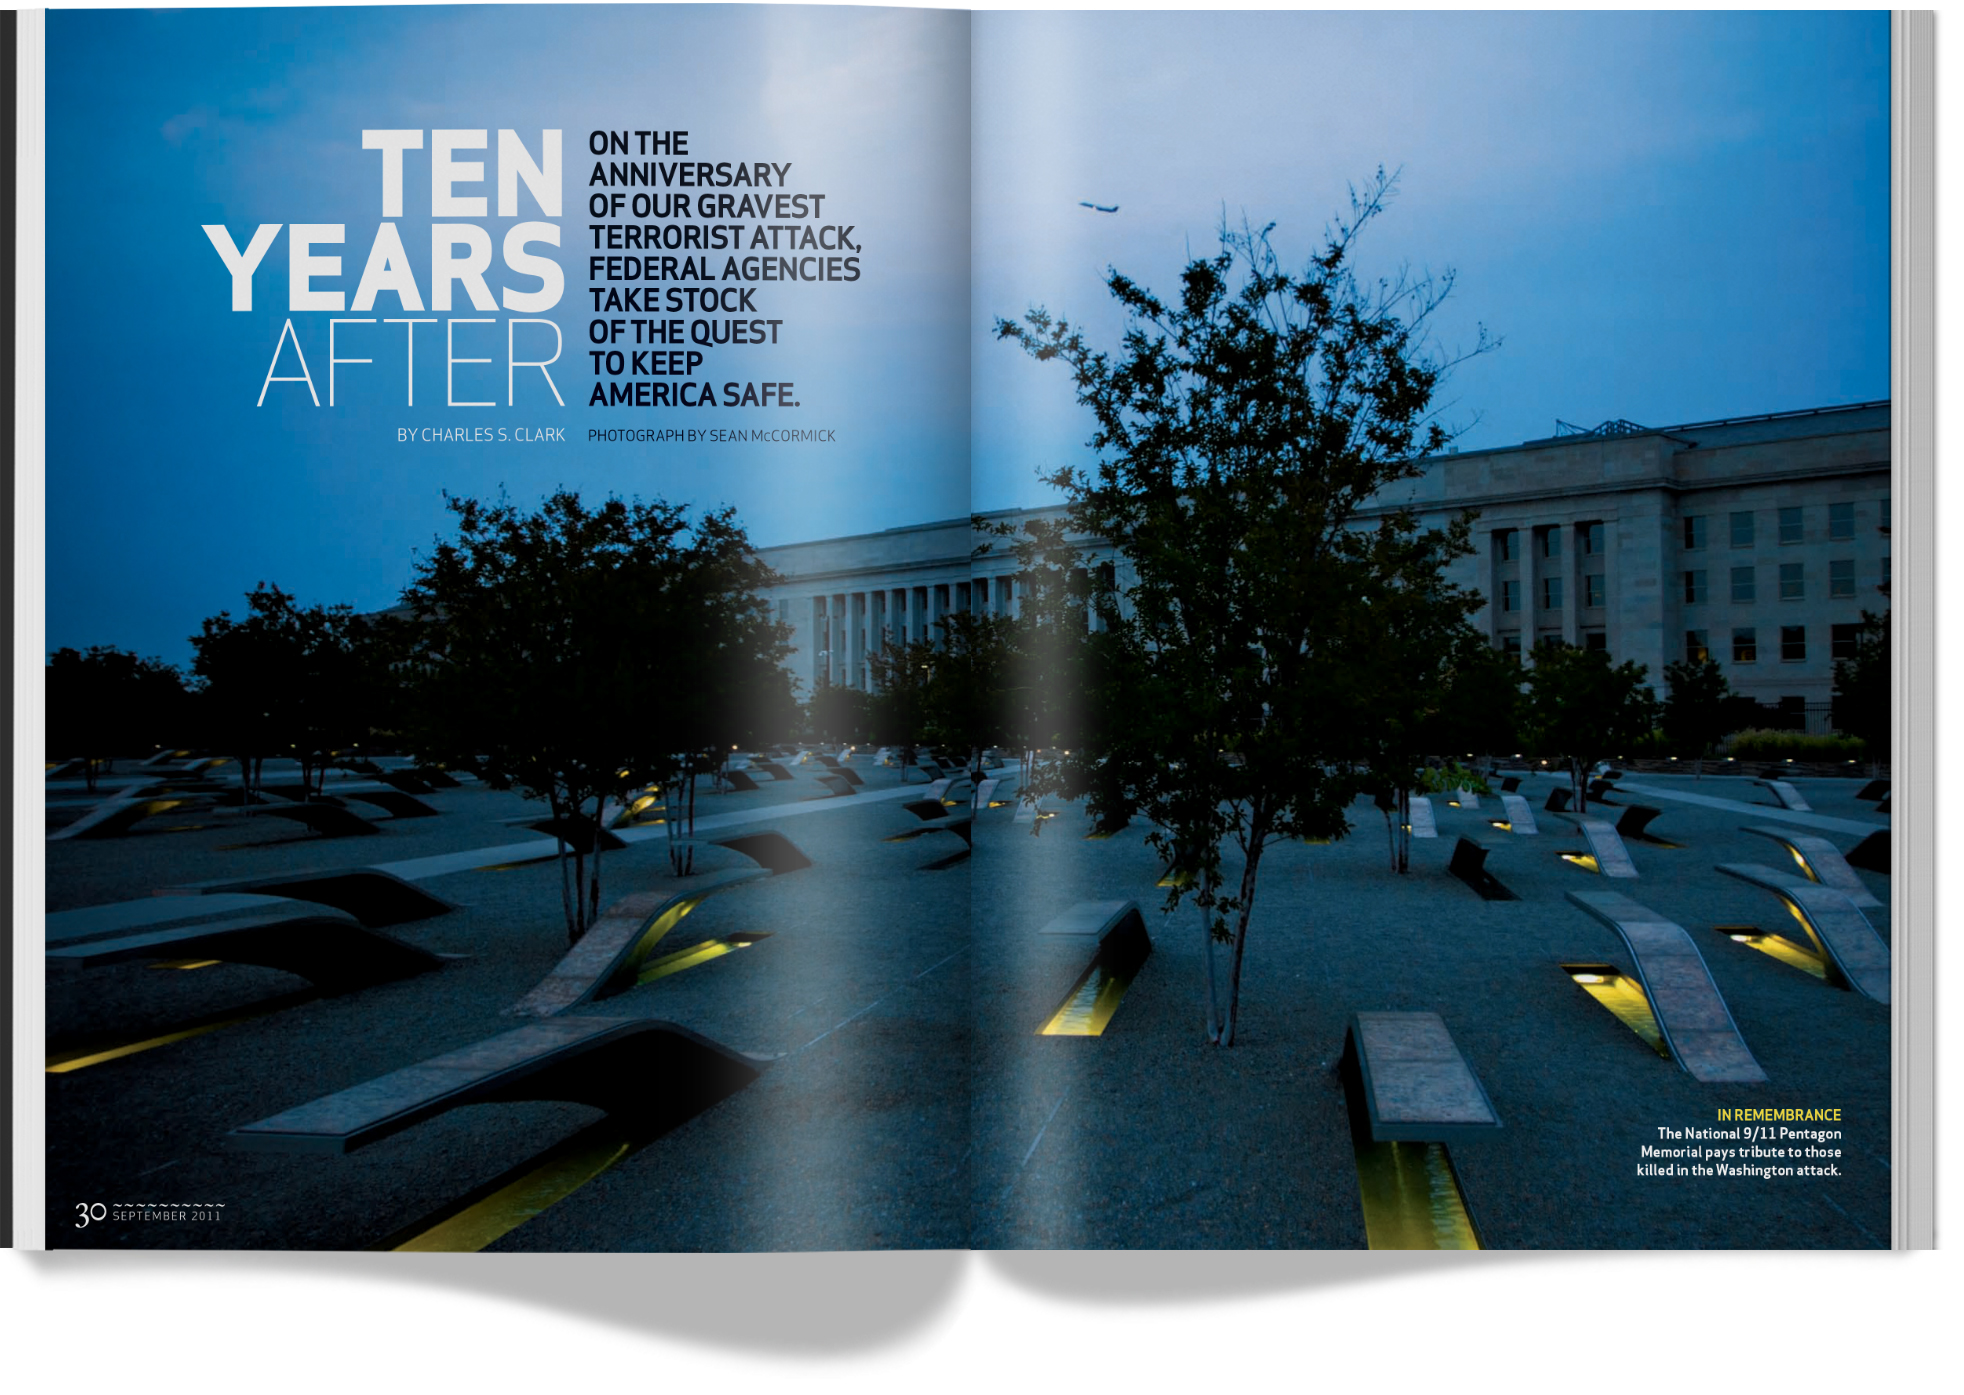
1469	864
648	1074
1635	823
375	898
112	818
328	820
1612	859
1423	822
1854	955
1690	1012
608	958
1123	946
1874	789
328	947
1821	861
1520	817
1872	853
1414	1086
836	783
1787	795
1557	801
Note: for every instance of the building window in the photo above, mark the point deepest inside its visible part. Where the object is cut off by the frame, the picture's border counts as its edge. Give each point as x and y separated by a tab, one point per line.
1744	588
1694	534
1745	645
1593	542
1793	582
1510	596
1511	645
1506	544
1595	639
1742	529
1842	640
1595	590
1791	530
1694	588
1551	542
1793	644
1697	646
1841	522
1551	593
1841	579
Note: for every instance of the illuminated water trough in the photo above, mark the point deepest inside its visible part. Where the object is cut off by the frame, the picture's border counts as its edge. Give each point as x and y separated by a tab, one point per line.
1778	947
1093	1000
1623	995
1409	1093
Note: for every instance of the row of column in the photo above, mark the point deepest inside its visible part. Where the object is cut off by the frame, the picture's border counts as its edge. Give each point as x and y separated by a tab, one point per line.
850	626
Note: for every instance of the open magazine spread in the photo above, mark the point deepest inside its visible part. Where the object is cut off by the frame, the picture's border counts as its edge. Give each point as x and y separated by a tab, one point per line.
725	628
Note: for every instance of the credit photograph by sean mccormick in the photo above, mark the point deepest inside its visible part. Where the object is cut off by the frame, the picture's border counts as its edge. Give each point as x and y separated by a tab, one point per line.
749	628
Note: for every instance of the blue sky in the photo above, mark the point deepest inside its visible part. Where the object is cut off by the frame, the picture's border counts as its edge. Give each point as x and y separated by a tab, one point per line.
1666	217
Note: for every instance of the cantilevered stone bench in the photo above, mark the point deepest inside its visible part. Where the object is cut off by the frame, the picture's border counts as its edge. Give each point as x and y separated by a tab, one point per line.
328	820
1855	955
1788	796
654	1074
323	945
1424	825
836	783
1635	822
770	850
575	832
1557	801
1691	1013
114	817
739	781
1416	1086
961	823
1091	918
1872	853
398	804
1612	858
1469	864
1520	817
374	897
608	957
772	769
1466	799
1874	789
121	919
1510	783
1820	861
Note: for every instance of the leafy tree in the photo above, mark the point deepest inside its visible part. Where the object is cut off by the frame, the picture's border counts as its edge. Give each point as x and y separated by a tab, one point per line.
579	652
1583	707
1240	428
837	713
1862	691
897	707
1698	708
964	707
107	702
309	681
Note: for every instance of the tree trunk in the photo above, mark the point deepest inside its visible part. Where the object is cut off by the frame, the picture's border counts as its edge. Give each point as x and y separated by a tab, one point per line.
565	878
593	898
1257	835
1575	784
1205	903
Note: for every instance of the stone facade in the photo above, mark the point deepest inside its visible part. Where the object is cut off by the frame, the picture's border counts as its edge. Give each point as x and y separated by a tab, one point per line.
1760	539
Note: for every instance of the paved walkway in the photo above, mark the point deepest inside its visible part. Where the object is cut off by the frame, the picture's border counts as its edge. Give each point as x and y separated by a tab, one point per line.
1764	811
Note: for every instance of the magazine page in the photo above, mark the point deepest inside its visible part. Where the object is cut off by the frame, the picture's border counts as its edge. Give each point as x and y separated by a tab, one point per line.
628	667
458	835
1446	478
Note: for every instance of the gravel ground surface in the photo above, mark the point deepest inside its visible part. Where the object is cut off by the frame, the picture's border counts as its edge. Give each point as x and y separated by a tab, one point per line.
905	1099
